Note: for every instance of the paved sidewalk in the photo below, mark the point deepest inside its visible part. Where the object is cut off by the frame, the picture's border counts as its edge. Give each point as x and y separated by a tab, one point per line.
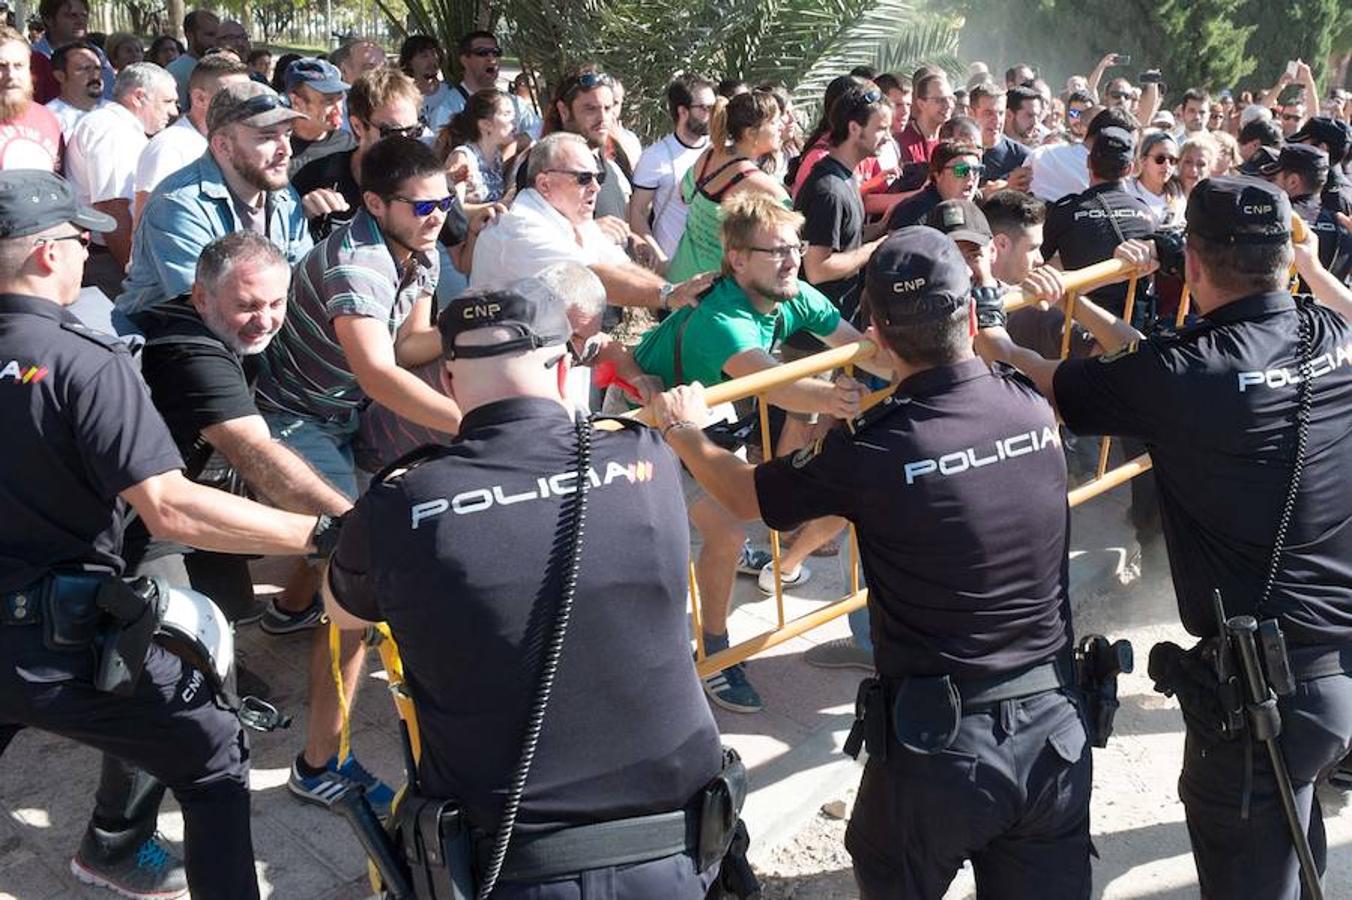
305	853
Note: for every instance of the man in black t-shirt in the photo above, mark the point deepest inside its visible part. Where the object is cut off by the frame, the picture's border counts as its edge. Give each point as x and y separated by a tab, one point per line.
628	733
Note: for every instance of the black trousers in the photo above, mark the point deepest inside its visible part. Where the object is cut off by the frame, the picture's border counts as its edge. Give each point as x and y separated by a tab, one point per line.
170	727
1011	794
670	878
1247	852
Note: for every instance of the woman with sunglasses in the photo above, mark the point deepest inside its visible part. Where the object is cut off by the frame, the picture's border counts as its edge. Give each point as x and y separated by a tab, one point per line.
475	140
1156	180
742	131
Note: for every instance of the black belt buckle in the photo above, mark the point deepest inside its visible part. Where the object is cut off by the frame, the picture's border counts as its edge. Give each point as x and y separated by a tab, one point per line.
926	713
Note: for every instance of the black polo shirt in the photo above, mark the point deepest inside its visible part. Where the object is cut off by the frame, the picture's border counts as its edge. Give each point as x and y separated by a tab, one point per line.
79	429
1335	241
958	489
1003	158
834	218
454	554
912	210
1216	408
334	172
1086	228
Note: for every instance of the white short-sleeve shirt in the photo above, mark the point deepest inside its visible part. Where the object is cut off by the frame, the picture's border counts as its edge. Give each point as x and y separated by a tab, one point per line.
660	170
170	150
1059	170
533	235
102	154
69	115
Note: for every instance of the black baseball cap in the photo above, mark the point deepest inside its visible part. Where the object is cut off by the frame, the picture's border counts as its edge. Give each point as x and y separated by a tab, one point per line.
527	307
1326	130
1304	158
961	220
1113	142
1239	211
916	275
33	200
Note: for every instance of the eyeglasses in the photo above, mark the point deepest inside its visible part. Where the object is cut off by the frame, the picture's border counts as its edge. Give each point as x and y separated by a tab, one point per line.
962	170
1120	95
946	99
583	178
782	252
81	236
1074	113
1160	159
423	208
485	52
408	131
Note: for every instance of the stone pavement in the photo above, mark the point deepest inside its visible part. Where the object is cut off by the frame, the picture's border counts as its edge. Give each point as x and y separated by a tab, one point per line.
791	750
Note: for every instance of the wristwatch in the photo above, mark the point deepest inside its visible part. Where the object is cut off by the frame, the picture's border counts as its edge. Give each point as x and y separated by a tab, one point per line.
664	295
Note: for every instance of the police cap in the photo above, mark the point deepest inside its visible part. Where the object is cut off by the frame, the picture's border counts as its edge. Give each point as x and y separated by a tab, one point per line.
537	317
1239	211
1326	130
916	275
33	200
961	220
1262	157
1304	158
1113	143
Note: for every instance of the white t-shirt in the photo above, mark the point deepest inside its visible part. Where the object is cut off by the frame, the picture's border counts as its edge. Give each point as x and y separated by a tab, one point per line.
68	115
533	235
1166	214
434	109
452	101
102	153
1059	170
660	170
170	150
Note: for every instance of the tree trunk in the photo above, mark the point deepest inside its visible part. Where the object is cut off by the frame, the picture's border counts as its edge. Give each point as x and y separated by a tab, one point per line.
174	14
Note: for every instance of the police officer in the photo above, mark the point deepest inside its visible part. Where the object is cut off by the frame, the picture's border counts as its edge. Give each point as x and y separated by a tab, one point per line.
461	549
1083	229
83	440
1218	407
957	487
1302	170
1334	137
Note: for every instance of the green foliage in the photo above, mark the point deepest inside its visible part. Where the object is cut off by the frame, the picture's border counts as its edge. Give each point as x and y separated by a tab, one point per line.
1286	31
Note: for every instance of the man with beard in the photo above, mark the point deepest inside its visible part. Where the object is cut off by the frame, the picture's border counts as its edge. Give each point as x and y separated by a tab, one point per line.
80	74
30	136
240	183
101	159
65	21
360	318
656	207
199	362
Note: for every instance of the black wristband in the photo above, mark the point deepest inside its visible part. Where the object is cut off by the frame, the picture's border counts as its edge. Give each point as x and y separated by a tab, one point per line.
325	535
1169	251
990	307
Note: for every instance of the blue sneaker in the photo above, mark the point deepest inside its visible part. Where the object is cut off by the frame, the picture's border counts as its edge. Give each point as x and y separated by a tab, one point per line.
324	788
732	690
151	873
752	561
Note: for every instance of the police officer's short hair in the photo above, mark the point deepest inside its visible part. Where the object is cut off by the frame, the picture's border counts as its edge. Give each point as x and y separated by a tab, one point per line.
143	76
221	256
932	342
1011	212
1247	268
577	286
548	151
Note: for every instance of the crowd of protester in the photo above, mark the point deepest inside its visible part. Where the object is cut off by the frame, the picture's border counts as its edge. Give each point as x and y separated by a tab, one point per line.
387	191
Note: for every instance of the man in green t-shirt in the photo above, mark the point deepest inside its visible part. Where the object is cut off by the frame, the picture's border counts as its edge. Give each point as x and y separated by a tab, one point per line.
757	302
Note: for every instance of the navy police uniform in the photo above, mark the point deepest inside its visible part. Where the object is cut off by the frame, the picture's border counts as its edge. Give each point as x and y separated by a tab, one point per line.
1216	407
957	485
1320	205
453	550
80	429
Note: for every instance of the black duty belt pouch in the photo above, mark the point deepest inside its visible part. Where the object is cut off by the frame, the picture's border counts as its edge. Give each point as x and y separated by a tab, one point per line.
132	613
720	802
926	713
870	721
71	618
437	845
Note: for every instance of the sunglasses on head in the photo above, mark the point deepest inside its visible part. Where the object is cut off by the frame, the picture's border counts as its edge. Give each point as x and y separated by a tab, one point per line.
485	52
583	177
586	81
873	95
962	170
262	103
424	208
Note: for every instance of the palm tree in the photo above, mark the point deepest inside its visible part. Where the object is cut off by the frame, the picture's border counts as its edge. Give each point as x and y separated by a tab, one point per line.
800	44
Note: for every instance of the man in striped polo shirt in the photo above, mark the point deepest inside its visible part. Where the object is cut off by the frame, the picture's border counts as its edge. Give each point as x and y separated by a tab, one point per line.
360	314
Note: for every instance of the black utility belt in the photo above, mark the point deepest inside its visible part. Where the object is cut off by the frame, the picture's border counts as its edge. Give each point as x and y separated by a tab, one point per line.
922	713
1312	661
444	851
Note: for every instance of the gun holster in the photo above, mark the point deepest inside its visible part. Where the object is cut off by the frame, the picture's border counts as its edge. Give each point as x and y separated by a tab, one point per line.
1213	707
113	617
438	847
1098	662
723	834
869	731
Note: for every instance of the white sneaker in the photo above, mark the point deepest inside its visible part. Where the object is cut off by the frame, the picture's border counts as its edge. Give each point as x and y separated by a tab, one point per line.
766	579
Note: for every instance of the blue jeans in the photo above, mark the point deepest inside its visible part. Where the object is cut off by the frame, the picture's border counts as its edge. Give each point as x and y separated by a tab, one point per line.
326	444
